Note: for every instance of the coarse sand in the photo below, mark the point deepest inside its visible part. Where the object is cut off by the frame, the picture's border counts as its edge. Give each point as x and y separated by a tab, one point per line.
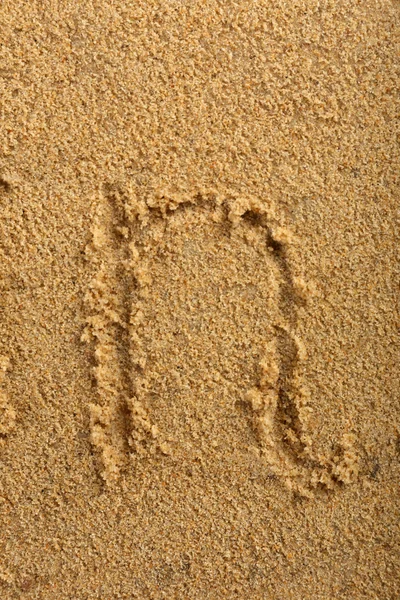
199	300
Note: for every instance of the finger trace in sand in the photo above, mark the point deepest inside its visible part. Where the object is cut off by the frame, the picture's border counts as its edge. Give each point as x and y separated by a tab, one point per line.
7	412
194	303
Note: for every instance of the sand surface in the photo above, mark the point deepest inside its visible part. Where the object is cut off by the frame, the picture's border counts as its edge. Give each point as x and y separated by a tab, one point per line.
199	282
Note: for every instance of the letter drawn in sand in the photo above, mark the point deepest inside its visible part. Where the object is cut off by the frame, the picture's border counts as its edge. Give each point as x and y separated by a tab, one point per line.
193	305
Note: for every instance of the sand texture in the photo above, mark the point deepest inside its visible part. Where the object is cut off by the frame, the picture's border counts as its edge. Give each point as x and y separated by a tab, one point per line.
199	300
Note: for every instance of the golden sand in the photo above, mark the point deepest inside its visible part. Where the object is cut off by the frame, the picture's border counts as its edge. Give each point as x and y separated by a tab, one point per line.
199	355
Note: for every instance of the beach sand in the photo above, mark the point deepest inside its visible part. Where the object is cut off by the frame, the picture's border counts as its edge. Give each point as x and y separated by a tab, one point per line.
199	275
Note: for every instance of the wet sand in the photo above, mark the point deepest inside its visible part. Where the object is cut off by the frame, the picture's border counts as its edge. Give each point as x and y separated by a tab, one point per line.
199	355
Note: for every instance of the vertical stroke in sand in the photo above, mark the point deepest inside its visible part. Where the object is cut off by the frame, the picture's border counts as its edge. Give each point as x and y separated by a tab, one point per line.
7	412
